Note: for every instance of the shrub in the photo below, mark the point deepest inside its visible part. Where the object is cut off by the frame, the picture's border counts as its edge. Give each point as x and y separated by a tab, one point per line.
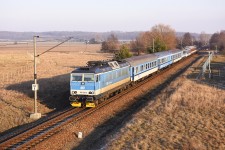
123	53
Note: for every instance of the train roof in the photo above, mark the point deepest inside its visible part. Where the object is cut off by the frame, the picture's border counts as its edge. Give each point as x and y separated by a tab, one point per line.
169	52
100	66
173	51
137	60
190	47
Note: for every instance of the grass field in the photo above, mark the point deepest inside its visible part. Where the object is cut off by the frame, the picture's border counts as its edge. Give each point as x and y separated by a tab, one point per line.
53	68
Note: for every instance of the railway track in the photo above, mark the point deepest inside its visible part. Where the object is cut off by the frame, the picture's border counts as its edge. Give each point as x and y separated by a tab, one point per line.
32	125
37	133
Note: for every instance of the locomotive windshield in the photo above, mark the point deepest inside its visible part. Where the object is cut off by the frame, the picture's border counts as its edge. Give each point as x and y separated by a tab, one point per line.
88	77
76	77
82	77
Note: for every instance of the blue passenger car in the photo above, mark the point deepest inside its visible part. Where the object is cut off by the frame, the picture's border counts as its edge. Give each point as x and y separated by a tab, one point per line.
142	66
164	59
176	55
169	57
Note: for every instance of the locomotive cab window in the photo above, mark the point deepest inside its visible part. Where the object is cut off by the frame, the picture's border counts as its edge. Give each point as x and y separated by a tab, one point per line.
88	77
76	77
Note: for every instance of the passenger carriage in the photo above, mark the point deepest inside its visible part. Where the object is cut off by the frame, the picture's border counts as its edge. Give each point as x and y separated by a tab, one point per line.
188	50
164	59
167	58
176	55
142	66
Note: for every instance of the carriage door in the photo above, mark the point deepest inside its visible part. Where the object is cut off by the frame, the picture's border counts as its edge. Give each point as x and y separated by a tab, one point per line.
132	74
98	85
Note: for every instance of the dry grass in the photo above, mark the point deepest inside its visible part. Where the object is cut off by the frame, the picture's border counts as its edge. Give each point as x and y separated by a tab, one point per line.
186	115
16	75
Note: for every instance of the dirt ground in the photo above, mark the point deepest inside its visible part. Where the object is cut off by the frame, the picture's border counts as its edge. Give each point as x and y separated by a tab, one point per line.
53	68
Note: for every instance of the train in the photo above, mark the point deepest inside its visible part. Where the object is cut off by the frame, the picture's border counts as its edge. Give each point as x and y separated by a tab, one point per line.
96	82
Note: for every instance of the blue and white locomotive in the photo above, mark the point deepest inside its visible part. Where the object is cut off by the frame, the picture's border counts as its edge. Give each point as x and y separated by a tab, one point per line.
99	79
94	83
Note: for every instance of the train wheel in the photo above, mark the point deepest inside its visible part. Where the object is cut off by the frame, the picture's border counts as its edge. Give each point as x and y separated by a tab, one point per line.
102	100
96	102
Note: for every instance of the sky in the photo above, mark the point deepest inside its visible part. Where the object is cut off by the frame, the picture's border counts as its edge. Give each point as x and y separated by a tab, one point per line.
111	15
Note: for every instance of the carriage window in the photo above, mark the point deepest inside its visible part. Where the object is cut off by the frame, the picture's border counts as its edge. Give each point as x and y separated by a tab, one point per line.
76	77
88	77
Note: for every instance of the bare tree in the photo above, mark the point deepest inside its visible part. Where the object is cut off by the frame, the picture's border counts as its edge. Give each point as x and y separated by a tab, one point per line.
161	37
214	40
111	44
165	34
187	39
204	39
141	43
222	41
179	40
217	41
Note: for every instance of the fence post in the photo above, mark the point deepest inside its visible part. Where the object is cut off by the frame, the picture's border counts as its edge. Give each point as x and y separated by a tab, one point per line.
210	57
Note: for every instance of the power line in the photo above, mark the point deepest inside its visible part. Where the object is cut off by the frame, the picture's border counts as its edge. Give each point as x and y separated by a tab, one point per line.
55	46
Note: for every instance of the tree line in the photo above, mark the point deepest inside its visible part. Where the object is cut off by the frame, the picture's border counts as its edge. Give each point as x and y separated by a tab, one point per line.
217	41
160	38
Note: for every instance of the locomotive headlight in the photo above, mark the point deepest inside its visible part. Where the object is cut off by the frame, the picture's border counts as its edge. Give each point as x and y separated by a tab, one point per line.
74	92
91	92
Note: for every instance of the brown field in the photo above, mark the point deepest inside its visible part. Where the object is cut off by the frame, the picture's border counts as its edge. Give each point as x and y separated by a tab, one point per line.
53	68
186	115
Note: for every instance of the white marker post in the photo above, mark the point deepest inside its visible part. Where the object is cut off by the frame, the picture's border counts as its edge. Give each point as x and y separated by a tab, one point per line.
80	135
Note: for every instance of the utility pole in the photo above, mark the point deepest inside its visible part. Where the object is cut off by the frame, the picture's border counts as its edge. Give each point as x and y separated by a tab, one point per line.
35	86
153	45
181	43
216	48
